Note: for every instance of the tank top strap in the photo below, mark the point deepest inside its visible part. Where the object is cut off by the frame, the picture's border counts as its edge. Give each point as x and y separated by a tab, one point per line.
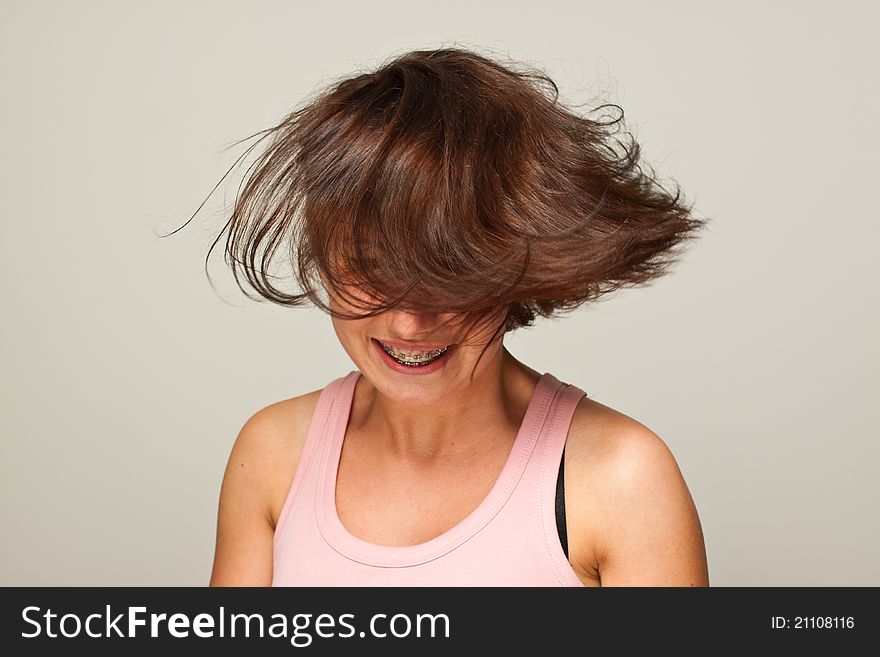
545	462
559	417
319	424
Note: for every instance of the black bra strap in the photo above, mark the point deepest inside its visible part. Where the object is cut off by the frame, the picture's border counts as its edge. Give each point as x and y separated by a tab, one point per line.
560	505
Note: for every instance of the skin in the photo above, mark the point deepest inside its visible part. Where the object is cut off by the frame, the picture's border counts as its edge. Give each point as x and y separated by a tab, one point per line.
439	442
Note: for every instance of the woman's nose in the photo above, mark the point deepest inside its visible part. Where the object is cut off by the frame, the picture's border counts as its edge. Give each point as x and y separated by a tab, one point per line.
419	326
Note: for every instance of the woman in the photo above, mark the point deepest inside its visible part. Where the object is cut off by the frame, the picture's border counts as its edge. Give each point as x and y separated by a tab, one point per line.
441	201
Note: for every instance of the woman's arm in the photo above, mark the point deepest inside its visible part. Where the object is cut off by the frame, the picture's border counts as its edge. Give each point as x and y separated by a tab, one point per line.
631	510
650	532
243	551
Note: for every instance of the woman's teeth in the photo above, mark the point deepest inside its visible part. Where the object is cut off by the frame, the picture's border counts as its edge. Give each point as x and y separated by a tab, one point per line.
411	357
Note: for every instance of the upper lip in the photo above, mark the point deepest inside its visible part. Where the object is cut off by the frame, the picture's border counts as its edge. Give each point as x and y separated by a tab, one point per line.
413	346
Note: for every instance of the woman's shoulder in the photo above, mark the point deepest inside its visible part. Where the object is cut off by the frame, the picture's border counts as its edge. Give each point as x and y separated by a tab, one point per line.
271	441
607	452
278	420
625	492
601	436
261	462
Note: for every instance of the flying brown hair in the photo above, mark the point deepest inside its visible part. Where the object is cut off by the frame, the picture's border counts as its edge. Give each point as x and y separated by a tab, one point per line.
444	181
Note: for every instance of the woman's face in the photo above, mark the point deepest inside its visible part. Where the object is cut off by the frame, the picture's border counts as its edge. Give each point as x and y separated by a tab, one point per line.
409	357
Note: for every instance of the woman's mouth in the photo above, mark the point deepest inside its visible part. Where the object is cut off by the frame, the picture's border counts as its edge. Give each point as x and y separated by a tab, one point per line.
421	361
412	357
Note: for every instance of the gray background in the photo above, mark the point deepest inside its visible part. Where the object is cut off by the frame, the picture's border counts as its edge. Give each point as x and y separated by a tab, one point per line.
126	378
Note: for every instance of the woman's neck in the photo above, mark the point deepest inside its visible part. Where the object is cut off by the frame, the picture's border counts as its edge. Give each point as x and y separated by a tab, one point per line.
460	422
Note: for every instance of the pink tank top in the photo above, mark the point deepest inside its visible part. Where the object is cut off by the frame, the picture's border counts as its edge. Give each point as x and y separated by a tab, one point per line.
510	539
